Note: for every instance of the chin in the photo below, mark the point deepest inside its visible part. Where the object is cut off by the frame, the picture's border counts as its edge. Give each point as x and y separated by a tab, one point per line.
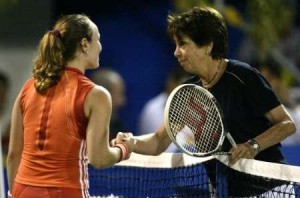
186	68
94	66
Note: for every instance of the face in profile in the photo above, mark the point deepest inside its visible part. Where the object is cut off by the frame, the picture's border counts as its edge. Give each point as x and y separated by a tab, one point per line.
95	48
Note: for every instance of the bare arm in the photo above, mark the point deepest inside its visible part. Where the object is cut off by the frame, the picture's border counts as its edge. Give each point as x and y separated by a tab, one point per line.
15	143
153	143
98	109
283	126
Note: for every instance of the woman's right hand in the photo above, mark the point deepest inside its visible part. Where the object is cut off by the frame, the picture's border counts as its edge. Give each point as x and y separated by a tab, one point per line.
125	138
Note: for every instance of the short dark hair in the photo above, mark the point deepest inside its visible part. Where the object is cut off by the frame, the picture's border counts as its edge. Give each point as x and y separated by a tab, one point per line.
203	25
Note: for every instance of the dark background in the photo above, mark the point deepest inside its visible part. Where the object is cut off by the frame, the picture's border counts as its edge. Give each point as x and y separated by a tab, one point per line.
133	36
134	40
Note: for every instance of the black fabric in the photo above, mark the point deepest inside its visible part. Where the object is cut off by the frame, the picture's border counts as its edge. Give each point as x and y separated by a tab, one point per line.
244	97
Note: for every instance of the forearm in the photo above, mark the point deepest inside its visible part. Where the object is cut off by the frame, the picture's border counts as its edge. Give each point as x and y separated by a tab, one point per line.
283	126
151	144
275	134
103	157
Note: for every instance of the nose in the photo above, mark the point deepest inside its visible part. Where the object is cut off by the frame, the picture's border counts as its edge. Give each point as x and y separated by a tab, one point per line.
176	52
101	47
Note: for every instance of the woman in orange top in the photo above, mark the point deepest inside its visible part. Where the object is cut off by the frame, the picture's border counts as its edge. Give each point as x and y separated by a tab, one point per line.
60	119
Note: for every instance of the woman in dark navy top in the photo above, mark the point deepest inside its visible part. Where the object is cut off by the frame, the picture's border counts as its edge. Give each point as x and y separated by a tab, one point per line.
254	115
245	96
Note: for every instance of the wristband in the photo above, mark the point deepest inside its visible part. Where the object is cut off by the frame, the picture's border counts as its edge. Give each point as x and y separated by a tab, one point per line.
124	151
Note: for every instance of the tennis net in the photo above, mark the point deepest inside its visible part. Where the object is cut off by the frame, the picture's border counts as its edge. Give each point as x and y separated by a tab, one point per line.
180	175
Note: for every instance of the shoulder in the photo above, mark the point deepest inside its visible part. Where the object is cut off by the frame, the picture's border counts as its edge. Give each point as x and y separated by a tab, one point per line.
98	99
239	67
28	85
99	93
242	71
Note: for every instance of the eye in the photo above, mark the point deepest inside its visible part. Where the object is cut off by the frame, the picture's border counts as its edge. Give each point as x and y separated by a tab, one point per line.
181	43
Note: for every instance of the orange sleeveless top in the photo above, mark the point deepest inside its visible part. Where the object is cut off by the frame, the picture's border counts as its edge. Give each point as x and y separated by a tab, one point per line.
54	152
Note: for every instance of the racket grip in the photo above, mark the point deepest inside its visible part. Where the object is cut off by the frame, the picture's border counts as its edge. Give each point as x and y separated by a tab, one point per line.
231	140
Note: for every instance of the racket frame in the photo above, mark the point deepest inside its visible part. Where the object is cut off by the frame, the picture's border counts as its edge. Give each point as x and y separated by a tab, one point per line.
224	133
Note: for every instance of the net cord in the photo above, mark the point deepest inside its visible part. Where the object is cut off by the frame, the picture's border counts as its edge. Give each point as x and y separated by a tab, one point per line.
251	166
265	169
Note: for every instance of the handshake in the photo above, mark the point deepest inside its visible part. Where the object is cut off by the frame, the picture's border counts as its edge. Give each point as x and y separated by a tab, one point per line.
125	142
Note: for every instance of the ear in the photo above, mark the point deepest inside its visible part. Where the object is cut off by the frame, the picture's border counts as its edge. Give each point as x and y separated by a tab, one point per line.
84	44
209	47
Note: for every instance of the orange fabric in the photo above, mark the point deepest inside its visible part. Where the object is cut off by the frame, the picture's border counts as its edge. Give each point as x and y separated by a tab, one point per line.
54	153
26	191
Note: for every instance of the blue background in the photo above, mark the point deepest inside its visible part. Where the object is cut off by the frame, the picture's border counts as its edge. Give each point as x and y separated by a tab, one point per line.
135	43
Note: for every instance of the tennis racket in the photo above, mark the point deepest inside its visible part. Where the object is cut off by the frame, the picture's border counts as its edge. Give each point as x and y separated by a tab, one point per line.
194	121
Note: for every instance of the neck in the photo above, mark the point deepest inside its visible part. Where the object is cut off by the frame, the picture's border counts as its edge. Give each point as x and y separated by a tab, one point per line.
219	69
76	64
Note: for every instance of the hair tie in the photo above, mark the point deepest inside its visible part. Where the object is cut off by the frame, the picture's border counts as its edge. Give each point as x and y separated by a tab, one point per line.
56	32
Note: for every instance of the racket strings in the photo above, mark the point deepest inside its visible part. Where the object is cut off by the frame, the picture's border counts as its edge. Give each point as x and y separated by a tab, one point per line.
211	129
195	121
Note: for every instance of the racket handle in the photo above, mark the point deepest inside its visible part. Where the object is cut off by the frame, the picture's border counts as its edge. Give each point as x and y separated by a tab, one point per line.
231	140
222	153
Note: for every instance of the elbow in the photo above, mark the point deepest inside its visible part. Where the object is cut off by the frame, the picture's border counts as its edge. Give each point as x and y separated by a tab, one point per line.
291	128
156	153
159	151
102	161
13	159
99	164
12	156
95	163
163	142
